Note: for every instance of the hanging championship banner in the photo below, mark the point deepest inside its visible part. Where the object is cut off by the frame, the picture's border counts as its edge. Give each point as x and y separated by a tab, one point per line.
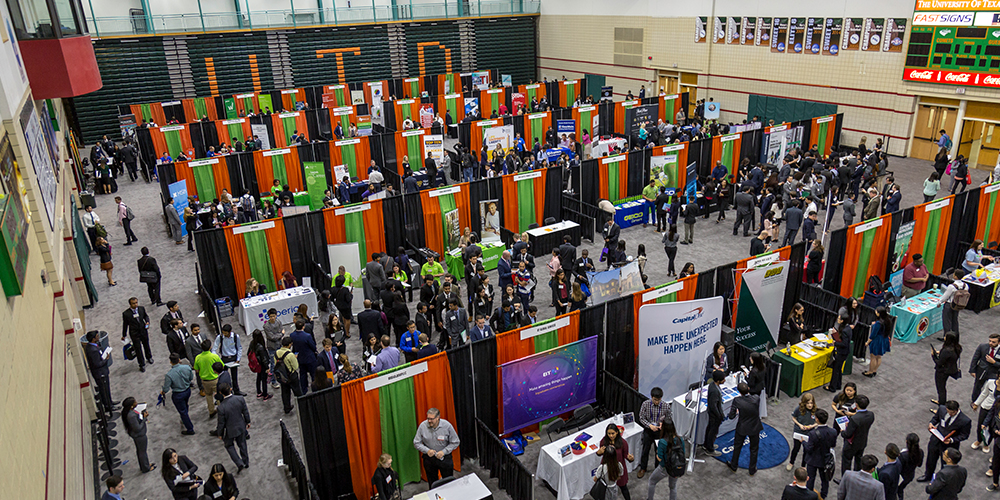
675	339
758	310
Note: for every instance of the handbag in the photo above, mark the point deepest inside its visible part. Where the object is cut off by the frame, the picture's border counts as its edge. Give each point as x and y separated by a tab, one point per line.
831	361
599	490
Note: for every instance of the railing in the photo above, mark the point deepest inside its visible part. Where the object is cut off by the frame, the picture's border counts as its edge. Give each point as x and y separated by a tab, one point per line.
514	477
291	458
151	24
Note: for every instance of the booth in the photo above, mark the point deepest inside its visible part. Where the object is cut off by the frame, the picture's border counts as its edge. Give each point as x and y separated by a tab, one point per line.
631	213
544	239
253	310
571	475
917	317
682	410
803	366
490	259
983	288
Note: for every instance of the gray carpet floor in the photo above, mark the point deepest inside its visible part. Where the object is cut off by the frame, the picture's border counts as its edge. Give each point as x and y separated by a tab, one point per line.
899	394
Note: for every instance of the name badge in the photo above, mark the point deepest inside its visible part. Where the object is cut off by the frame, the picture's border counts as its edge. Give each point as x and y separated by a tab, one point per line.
442	438
217	494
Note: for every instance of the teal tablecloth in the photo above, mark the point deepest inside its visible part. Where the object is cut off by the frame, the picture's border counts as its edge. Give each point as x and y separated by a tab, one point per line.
917	317
491	256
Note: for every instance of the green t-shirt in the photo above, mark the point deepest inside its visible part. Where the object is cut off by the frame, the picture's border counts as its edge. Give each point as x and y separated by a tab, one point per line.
432	268
348	280
203	365
650	192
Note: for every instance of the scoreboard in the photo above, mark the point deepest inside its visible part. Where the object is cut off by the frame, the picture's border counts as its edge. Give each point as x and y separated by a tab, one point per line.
955	42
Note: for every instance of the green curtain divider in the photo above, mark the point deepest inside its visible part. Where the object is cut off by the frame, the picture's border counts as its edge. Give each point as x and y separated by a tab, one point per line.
931	238
447	204
536	132
450	78
351	160
494	105
260	258
338	95
235	130
293	98
345	123
613	180
822	139
547	341
586	122
289	125
173	139
204	181
452	106
529	96
278	169
413	152
989	215
570	95
199	108
415	89
861	279
727	154
525	203
264	101
406	110
147	113
398	415
230	104
354	231
248	105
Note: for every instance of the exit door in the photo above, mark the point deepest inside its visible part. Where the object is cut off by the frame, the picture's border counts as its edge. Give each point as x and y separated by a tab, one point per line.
930	121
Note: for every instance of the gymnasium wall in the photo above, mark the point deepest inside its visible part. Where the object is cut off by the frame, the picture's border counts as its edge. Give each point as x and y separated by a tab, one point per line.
166	68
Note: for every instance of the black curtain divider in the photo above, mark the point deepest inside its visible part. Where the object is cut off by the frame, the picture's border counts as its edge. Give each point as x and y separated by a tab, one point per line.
394	87
168	176
592	323
835	260
484	367
514	477
463	390
480	191
725	286
147	152
207	304
216	269
319	152
389	116
619	396
175	112
430	84
836	133
824	299
553	194
605	119
393	222
198	139
321	417
620	354
796	267
590	179
750	145
638	171
318	123
320	264
706	286
220	106
314	96
695	155
952	250
299	251
210	134
518	122
413	226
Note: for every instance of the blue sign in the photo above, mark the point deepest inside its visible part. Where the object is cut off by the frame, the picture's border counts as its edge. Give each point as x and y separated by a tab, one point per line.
179	192
552	155
566	127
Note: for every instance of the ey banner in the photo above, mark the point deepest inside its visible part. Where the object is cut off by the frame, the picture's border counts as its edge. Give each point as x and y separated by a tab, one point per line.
675	339
758	308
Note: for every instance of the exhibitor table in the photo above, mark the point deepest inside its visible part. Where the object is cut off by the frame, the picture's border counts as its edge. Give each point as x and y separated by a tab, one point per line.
631	213
917	317
684	415
570	476
803	365
490	259
253	310
545	238
467	487
983	288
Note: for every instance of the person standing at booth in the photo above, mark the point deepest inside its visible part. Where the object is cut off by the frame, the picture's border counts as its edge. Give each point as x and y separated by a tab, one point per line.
653	412
747	407
435	440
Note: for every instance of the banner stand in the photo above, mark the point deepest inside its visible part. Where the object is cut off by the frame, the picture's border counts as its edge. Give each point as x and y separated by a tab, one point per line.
693	431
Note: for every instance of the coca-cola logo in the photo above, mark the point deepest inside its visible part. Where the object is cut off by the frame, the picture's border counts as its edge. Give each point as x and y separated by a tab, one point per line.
991	80
921	75
957	77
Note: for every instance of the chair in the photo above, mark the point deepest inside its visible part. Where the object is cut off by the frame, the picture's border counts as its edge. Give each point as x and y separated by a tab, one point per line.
549	221
533	225
443	481
556	426
581	417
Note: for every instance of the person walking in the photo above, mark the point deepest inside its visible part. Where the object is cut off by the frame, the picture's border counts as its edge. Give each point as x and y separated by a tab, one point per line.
818	449
135	323
744	210
257	352
690	218
667	449
945	366
860	484
955	298
793	221
803	420
984	403
103	249
178	382
134	421
670	239
304	346
932	184
233	424
229	349
652	414
149	273
204	365
909	460
960	174
125	218
747	407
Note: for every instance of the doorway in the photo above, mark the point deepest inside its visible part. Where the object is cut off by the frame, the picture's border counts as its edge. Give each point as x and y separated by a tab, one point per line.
678	82
980	143
931	118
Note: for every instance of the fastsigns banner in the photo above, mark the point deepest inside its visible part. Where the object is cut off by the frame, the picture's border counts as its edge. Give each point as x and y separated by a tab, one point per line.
675	339
758	315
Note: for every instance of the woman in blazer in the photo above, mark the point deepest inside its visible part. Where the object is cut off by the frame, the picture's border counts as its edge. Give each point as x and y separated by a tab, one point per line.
841	334
221	485
135	425
178	472
945	365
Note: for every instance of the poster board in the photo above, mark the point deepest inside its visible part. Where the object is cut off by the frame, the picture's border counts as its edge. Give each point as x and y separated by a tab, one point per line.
758	316
345	254
454	226
675	339
489	217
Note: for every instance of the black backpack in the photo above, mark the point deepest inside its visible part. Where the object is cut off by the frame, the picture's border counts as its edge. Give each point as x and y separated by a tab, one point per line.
281	373
676	461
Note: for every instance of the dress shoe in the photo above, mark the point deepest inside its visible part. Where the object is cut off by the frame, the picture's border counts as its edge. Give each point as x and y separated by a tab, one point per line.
640	474
150	360
935	402
188	433
142	369
733	467
713	453
213	433
923	479
241	394
212	415
266	397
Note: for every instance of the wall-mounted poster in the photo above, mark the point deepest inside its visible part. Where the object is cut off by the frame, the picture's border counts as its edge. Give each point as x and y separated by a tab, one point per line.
41	161
814	35
871	40
831	37
852	33
892	40
489	217
13	223
719	33
763	32
700	29
735	24
357	97
779	34
796	34
748	31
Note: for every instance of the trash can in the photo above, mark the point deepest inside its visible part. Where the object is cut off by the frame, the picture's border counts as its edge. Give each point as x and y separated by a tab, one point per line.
87	199
104	341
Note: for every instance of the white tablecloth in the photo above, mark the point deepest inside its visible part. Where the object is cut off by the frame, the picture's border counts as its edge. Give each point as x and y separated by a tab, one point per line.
253	311
558	226
571	477
684	416
468	487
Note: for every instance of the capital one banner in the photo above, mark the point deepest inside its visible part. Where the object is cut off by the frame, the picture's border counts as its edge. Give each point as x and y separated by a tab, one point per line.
675	339
758	310
540	386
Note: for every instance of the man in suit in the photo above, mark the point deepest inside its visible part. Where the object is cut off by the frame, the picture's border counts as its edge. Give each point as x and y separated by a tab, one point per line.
304	347
610	233
115	487
175	340
954	426
480	330
234	422
149	265
747	406
984	365
715	414
949	482
129	157
376	276
890	471
504	269
173	312
98	364
817	450
744	210
793	221
192	347
135	324
174	221
856	436
369	321
567	255
860	485
328	356
797	490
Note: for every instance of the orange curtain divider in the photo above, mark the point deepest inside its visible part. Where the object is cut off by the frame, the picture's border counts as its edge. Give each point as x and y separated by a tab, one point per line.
459	107
605	183
190	114
851	252
220	173
336	230
432	389
159	142
222	129
374	228
784	253
278	124
240	103
917	243
831	129
540	89
619	124
876	259
368	91
407	108
183	172
265	173
277	244
238	259
433	225
673	101
511	219
476	132
286	99
987	222
364	432
420	87
402	149
156	109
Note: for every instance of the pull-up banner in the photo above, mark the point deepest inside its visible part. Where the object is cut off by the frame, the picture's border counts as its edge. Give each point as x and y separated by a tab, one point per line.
675	339
759	307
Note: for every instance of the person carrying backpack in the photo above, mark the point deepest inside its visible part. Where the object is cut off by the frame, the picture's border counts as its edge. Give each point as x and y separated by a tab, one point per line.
286	372
955	298
672	457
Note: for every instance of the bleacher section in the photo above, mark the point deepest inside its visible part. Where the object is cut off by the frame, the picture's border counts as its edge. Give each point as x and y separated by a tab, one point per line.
507	43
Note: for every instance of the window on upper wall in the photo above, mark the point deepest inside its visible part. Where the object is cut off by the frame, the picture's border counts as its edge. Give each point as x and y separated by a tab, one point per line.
35	19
